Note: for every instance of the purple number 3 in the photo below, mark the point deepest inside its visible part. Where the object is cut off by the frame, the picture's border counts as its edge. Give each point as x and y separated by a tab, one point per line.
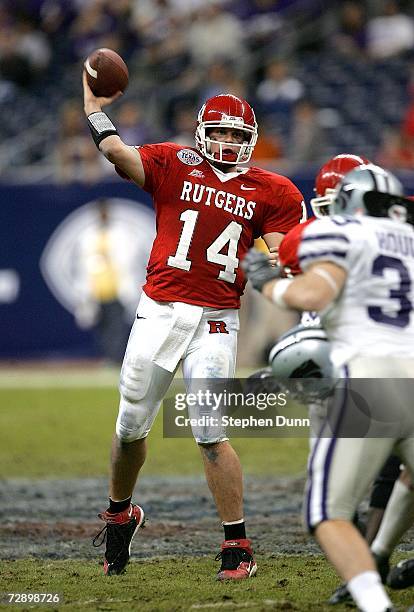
402	317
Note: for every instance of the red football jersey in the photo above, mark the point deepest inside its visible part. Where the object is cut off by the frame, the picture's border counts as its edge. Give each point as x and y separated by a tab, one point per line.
206	222
288	248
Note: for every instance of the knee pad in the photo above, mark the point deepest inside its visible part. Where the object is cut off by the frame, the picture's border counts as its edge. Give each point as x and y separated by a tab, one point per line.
134	380
136	412
133	422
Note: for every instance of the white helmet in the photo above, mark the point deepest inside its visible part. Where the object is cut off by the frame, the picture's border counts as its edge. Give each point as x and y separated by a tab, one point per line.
372	190
303	354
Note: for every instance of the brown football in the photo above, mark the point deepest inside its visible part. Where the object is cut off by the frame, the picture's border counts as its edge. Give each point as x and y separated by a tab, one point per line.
106	72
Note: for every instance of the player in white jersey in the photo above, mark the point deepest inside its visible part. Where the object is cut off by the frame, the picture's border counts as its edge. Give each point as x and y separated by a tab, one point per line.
358	273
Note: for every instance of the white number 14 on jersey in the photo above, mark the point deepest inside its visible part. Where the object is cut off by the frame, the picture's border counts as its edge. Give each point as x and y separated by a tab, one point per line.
230	234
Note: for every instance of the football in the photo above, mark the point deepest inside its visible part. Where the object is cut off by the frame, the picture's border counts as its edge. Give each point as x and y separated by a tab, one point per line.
106	72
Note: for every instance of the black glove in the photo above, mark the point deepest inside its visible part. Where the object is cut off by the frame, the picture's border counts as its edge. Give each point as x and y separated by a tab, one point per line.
258	269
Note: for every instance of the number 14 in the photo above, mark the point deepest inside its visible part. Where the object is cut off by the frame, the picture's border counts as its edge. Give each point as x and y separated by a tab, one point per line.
231	235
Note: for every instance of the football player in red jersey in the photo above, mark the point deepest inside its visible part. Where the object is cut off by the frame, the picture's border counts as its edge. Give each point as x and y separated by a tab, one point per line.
209	209
328	177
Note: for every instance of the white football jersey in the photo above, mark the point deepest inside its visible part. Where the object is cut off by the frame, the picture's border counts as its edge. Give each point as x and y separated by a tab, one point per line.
373	315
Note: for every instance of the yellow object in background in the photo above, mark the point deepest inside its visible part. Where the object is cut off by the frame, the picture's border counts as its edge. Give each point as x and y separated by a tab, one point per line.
104	277
260	245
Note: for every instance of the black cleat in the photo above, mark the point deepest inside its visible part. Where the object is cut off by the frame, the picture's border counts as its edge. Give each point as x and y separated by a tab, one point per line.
402	575
118	532
237	562
340	595
383	566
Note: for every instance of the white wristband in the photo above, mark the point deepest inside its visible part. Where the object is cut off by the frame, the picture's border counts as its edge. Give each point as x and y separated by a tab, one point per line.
279	291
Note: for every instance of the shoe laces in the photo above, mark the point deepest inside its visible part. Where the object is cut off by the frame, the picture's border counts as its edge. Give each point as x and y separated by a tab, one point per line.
232	557
118	541
109	520
96	542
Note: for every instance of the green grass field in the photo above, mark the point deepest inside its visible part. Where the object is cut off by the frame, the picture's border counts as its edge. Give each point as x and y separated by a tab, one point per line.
283	583
66	433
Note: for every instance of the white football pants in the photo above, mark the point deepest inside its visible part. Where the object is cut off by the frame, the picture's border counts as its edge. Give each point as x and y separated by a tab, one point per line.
164	334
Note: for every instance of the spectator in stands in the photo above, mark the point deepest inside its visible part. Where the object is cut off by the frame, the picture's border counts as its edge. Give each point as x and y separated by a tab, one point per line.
262	23
56	17
130	124
184	127
307	139
77	159
15	67
121	14
180	92
88	29
33	45
351	35
391	33
153	19
268	149
279	90
215	34
166	56
221	75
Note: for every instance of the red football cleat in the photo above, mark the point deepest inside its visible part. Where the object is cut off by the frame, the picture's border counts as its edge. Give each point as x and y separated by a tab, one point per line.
118	532
237	562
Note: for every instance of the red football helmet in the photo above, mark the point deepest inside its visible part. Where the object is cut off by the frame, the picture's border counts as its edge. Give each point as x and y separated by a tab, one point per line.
328	178
226	111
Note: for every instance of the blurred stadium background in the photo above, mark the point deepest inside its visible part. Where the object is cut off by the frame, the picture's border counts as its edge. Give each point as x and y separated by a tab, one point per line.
324	78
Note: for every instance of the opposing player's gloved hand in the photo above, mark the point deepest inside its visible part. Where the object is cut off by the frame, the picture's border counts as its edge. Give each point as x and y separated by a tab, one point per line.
258	269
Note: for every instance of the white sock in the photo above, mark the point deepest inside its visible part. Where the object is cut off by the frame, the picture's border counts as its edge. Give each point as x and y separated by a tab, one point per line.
368	592
239	522
398	517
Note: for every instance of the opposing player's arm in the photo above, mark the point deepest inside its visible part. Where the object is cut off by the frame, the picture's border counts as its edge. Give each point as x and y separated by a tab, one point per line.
273	239
106	138
314	290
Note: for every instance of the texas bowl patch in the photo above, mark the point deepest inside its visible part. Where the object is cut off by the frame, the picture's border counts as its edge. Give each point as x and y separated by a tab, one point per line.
189	157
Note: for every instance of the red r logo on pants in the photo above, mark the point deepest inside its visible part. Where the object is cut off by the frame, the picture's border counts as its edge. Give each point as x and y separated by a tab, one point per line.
217	327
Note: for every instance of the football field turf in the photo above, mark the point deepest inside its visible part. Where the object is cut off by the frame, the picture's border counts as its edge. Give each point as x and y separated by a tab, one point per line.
54	448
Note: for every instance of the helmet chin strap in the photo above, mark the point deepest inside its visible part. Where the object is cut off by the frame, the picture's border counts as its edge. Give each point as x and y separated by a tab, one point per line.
233	157
321	204
223	157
